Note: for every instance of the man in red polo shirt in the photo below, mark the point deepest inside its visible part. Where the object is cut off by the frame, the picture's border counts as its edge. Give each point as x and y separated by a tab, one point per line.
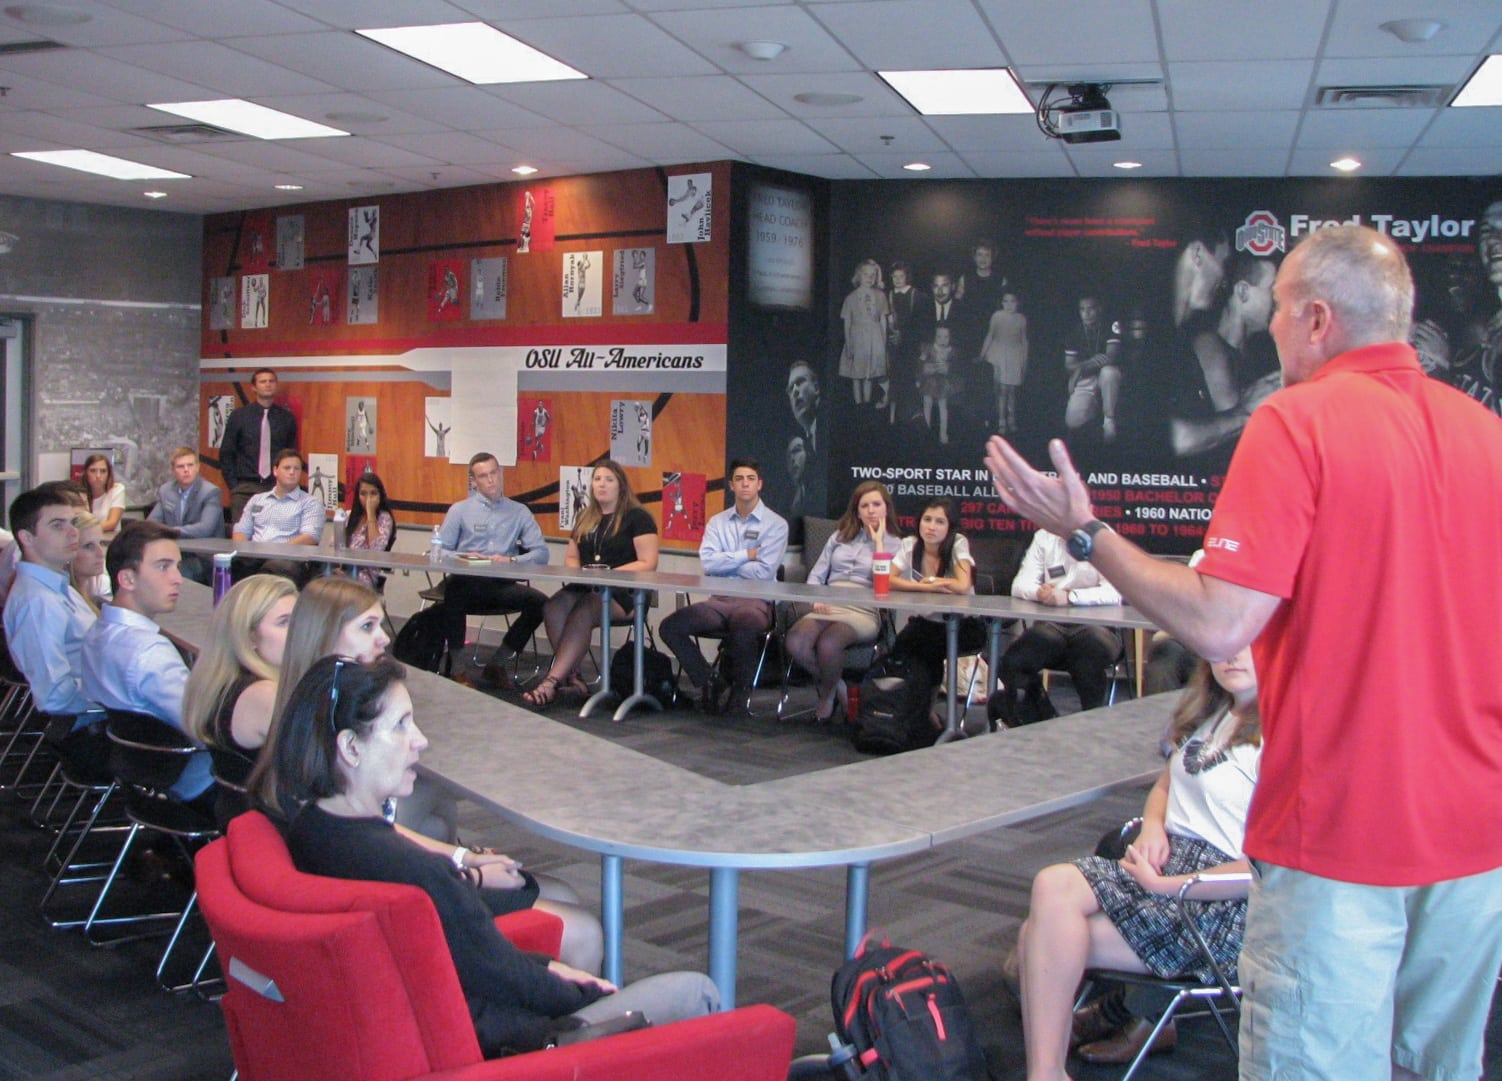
1374	932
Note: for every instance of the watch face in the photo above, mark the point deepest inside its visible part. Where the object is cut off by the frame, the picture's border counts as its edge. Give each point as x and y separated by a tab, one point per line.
1080	545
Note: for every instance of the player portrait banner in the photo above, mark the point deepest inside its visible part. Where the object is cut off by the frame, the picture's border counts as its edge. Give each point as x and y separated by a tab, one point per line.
290	238
255	301
690	208
534	429
535	212
362	299
438	421
364	235
323	479
222	303
445	291
631	432
487	288
633	281
573	494
583	283
683	507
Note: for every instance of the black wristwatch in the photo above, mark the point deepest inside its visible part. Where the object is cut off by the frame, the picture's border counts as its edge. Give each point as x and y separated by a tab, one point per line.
1081	542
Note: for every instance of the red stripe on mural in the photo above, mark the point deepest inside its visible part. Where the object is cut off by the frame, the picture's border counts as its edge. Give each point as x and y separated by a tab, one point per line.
609	334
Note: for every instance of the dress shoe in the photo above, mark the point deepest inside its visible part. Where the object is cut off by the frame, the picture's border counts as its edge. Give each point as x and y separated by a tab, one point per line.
495	675
1090	1024
711	697
464	679
1122	1048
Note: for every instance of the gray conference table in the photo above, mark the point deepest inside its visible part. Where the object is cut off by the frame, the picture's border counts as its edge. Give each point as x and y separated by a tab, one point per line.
590	793
996	610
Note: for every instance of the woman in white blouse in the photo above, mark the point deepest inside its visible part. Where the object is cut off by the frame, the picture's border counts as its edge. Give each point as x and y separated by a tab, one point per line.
937	560
106	497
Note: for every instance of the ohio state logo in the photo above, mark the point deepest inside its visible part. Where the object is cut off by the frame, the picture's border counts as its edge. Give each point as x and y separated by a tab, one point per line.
1262	234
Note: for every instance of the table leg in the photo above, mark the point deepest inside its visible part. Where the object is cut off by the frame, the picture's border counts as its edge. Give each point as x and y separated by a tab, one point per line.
993	658
638	696
724	916
857	892
612	914
954	715
601	698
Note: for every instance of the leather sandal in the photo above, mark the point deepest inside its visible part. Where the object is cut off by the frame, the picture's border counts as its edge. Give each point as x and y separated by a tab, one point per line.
542	695
1122	1048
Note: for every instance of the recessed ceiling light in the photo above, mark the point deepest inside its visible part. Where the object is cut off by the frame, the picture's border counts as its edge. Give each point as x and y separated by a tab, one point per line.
103	164
155	194
816	97
1346	165
524	170
475	52
248	118
917	167
288	187
1127	164
1483	88
970	92
46	15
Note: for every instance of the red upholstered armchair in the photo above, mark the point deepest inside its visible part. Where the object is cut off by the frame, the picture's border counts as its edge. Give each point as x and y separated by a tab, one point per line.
335	980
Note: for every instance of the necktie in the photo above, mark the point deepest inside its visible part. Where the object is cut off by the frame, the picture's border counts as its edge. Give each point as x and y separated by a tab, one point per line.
182	508
264	464
943	311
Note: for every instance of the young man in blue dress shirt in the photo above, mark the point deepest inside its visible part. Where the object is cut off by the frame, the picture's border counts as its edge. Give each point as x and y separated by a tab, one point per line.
746	540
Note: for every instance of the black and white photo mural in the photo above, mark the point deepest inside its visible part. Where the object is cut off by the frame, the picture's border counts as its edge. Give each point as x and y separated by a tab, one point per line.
1127	317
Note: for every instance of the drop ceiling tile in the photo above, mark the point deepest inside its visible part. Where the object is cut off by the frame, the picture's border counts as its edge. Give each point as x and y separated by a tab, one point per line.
984	133
1250	84
913	34
225	71
757	137
1099	161
369	14
863	135
1047	161
219	19
1357	28
1246	161
106	26
691	98
1395	71
715	35
1269	29
660	142
106	77
347	61
1376	161
1237	128
942	166
1452	161
578	102
1476	127
1100	33
877	98
609	46
1363	127
452	147
364	153
828	166
497	12
467	108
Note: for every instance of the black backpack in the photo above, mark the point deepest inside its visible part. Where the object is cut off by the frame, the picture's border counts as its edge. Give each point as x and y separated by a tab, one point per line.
421	642
904	1015
896	698
657	676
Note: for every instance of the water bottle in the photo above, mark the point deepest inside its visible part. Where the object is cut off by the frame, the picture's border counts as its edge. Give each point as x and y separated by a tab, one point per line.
221	574
435	546
341	520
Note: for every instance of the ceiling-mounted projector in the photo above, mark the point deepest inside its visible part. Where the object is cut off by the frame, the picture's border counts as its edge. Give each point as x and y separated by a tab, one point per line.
1087	118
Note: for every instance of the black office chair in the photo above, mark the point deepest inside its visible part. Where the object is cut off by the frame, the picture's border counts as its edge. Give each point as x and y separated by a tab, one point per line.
1219	997
147	757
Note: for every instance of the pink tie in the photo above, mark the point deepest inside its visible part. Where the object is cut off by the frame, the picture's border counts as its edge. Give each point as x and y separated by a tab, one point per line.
264	464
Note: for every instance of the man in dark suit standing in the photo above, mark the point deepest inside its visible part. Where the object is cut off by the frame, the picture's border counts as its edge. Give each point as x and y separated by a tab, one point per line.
252	436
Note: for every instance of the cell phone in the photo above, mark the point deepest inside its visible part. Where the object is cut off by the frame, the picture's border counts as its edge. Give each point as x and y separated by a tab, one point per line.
629	1021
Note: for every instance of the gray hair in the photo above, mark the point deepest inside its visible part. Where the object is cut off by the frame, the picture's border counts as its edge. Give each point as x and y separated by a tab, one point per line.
1364	278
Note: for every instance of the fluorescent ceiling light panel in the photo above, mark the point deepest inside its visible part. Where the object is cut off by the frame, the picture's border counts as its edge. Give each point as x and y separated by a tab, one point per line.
969	92
476	52
247	118
88	161
1483	88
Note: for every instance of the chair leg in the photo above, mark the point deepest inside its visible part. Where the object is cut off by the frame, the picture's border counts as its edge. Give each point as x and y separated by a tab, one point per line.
197	982
96	920
1147	1045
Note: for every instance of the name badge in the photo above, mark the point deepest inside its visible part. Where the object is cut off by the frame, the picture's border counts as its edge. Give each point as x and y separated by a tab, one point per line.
1056	571
751	534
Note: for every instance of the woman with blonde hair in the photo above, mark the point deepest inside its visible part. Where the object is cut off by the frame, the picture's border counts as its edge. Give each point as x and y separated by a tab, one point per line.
614	530
340	617
231	693
86	570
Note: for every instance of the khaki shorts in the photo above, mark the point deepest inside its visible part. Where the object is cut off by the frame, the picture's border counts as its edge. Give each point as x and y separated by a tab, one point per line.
1343	980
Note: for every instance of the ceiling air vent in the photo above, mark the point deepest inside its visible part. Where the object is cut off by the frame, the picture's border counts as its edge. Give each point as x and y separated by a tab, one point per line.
186	133
39	45
1382	97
